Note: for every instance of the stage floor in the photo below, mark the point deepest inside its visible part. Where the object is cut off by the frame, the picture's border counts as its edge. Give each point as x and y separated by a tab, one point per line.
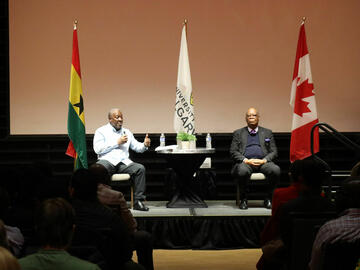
215	208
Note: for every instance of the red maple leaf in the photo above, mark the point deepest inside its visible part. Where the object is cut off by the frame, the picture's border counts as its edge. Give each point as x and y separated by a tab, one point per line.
304	90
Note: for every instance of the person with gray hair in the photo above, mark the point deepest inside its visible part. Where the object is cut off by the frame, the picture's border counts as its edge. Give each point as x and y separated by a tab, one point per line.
253	149
112	143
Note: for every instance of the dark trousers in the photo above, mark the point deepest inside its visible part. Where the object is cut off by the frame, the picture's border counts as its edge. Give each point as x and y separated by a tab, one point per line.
144	249
241	172
137	172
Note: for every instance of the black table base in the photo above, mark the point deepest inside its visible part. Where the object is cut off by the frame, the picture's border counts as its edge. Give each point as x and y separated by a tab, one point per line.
186	199
184	166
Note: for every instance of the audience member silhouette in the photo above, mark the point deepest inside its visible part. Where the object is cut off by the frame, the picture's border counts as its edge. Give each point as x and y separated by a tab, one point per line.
91	214
285	194
55	226
114	198
271	230
11	236
7	260
345	228
276	238
313	174
106	195
25	197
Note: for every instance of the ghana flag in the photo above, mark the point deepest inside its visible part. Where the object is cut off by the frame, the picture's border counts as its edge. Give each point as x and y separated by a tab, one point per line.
76	118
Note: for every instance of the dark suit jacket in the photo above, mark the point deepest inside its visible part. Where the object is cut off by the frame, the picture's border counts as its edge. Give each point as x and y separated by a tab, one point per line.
96	216
239	141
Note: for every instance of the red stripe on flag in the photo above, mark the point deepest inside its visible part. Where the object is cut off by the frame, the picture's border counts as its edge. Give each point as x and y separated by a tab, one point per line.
75	53
70	151
301	49
300	146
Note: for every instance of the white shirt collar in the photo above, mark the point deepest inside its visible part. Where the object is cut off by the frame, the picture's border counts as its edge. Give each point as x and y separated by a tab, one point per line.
256	129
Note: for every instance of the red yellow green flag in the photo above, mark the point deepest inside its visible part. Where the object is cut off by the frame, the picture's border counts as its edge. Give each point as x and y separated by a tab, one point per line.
76	117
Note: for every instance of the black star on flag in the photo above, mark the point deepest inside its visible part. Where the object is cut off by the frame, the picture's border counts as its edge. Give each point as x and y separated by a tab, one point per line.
80	105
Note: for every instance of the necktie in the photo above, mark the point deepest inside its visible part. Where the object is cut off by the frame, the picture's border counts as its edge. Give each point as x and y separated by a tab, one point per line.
253	132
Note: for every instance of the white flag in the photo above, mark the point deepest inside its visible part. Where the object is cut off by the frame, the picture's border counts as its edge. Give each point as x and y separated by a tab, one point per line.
184	110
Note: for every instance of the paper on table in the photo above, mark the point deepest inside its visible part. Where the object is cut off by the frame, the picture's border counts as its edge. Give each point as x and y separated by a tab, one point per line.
167	147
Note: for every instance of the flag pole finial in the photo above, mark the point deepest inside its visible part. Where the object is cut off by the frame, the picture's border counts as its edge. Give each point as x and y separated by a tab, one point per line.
303	19
75	24
185	21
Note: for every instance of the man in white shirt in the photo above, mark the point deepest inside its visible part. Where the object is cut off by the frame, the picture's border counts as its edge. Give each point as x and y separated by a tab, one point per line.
111	143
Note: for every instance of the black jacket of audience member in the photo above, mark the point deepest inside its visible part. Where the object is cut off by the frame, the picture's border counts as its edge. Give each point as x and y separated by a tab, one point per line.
91	214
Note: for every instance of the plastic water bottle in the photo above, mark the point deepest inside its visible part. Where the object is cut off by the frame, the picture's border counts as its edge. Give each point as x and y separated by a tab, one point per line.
162	139
208	141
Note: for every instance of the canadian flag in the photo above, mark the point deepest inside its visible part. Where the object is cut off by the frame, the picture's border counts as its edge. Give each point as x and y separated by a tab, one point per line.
302	100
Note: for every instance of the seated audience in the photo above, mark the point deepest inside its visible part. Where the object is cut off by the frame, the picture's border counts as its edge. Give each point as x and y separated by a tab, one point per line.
92	214
25	198
313	174
7	260
54	227
280	196
275	239
10	236
106	195
345	228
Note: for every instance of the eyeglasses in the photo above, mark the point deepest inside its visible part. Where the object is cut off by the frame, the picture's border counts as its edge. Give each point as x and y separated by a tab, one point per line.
249	115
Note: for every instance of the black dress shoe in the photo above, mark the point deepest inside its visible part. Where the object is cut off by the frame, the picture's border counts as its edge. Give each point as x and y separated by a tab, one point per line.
139	205
243	205
267	204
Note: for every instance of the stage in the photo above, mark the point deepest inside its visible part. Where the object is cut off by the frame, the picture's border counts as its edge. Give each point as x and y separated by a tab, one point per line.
222	225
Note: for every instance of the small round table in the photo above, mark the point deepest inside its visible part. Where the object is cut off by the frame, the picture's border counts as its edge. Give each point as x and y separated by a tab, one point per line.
185	163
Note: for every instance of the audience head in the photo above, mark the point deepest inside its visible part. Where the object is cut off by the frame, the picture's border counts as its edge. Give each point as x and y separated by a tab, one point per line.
310	172
348	196
55	223
100	173
7	260
295	170
83	185
252	118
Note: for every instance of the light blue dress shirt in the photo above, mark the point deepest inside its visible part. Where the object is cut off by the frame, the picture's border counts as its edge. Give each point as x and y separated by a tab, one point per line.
107	148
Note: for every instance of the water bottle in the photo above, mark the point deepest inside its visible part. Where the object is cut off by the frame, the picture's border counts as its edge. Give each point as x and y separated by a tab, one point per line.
208	141
162	139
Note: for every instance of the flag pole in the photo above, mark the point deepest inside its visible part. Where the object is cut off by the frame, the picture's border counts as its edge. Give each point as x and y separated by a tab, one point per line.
185	24
303	20
75	24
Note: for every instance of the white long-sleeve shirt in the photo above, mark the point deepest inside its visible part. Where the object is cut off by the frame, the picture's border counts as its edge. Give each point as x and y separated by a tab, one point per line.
106	146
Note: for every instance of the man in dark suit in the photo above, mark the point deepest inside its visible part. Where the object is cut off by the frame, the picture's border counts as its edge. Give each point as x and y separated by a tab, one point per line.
253	149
